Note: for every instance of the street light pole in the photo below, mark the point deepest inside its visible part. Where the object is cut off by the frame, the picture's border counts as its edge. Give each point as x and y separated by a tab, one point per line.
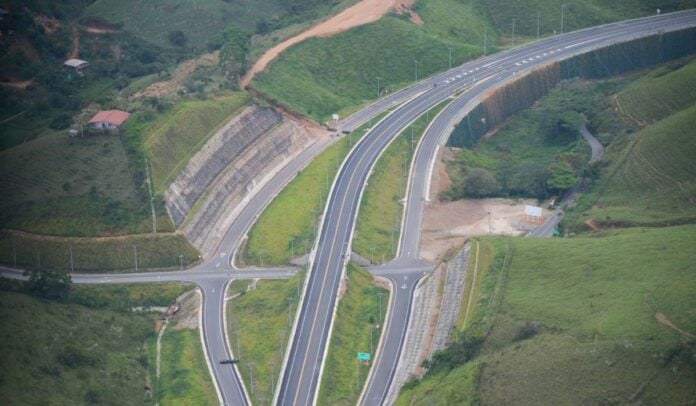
485	40
72	268
181	261
135	250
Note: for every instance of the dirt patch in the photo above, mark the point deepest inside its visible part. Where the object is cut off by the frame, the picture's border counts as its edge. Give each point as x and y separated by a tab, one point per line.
364	12
20	84
187	316
406	9
591	224
182	72
94	29
49	24
665	321
75	44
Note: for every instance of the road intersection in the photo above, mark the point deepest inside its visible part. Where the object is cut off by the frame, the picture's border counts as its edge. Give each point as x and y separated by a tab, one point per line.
311	331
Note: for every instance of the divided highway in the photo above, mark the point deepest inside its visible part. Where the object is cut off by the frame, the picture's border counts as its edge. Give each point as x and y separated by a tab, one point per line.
301	375
304	359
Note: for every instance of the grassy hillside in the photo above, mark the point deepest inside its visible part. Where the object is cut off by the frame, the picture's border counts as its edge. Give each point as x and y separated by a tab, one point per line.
171	140
90	349
322	76
568	321
202	19
658	94
359	317
99	254
652	180
62	185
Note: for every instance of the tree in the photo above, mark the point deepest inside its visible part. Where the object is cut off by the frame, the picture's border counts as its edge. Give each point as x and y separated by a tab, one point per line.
560	177
52	285
177	38
479	183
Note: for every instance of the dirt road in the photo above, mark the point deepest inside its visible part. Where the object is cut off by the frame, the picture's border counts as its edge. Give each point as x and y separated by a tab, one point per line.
364	12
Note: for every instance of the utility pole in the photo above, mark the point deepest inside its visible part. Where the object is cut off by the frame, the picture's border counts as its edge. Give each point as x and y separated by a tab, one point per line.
562	15
289	311
371	340
513	32
380	294
135	250
485	40
372	257
282	344
416	71
72	267
489	222
450	57
251	373
538	23
14	251
378	88
181	261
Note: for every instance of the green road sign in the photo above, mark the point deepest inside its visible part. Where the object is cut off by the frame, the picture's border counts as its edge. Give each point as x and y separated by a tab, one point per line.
363	356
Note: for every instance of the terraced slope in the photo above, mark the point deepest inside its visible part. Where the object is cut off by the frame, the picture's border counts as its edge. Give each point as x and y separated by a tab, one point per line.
568	321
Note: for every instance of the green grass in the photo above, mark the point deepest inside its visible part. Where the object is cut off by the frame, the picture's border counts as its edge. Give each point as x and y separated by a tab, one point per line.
173	139
61	185
651	181
67	353
289	221
201	20
659	93
95	254
184	376
592	303
358	316
381	208
321	76
257	321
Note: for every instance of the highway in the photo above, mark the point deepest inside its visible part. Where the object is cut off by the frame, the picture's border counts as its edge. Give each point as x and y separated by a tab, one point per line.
311	331
300	377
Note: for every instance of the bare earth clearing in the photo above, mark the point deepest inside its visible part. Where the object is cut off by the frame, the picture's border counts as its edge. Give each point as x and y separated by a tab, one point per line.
182	72
449	224
364	12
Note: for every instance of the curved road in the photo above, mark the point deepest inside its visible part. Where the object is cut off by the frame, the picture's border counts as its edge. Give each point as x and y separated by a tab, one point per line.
300	377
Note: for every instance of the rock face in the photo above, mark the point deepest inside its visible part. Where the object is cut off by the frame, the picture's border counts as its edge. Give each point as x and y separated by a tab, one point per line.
241	156
215	156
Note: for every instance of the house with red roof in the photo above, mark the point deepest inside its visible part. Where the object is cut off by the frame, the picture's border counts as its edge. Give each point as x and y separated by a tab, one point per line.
109	119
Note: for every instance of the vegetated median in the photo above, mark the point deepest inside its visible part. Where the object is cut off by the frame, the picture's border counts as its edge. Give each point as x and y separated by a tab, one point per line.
378	224
260	314
287	227
572	321
357	329
89	347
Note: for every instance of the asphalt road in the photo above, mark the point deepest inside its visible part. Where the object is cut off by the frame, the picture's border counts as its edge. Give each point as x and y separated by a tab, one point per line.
300	378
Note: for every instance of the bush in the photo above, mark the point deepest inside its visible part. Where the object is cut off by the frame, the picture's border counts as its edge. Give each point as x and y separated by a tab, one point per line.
61	121
177	38
479	183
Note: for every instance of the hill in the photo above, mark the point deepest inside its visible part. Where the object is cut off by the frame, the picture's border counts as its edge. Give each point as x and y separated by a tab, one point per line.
568	321
201	20
321	76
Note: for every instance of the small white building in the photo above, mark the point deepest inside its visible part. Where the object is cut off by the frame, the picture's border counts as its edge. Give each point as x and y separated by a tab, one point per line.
77	64
109	119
